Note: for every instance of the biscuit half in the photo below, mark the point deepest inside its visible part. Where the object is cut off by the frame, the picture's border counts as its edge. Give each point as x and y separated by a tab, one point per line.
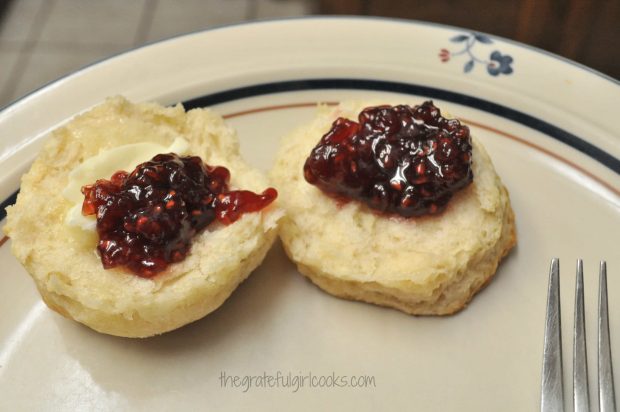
430	265
67	270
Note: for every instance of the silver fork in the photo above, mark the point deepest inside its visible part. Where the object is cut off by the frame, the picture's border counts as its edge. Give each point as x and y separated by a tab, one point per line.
552	398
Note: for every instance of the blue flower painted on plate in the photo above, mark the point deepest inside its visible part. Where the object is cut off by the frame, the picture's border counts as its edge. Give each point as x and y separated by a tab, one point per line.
499	64
496	64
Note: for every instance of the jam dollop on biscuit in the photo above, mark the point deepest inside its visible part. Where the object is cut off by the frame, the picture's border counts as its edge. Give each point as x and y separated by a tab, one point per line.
146	219
396	159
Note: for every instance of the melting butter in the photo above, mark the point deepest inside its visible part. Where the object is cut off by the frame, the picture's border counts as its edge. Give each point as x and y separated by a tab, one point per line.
105	164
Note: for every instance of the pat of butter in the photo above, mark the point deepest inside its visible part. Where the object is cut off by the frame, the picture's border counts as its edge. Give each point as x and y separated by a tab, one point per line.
103	166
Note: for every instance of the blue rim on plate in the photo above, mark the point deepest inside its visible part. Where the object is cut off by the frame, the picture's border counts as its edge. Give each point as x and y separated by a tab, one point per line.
364	84
559	134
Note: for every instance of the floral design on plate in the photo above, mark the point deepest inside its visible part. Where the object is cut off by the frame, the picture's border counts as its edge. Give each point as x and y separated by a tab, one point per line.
496	64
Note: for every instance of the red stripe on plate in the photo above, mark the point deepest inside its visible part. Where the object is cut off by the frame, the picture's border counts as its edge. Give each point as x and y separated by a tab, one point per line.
477	124
471	122
545	151
278	107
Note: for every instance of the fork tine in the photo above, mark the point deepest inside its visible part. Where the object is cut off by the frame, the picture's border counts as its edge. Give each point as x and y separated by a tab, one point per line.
606	397
581	398
552	397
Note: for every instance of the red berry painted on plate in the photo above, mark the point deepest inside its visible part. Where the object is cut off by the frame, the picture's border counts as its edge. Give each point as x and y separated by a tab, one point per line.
147	219
396	159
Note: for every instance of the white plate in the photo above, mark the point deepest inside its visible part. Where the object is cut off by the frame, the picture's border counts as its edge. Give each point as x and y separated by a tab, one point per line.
550	127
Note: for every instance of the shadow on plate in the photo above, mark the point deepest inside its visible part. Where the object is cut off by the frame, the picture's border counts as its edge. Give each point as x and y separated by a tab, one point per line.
143	366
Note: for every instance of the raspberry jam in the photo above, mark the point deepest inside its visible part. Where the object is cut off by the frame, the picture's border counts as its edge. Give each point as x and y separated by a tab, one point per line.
146	219
398	160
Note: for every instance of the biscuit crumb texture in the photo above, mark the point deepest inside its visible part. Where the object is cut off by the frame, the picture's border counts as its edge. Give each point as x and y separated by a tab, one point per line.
430	265
66	268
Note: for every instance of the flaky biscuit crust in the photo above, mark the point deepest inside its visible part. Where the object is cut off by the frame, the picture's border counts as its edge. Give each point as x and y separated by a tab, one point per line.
67	270
430	265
